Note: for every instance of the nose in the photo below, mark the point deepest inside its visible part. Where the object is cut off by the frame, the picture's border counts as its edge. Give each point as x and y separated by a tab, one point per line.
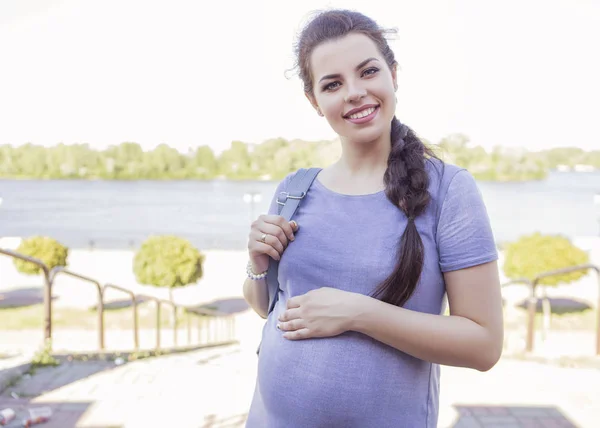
354	94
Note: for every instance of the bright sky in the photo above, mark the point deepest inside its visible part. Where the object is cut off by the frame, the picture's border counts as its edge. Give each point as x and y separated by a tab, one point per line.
186	73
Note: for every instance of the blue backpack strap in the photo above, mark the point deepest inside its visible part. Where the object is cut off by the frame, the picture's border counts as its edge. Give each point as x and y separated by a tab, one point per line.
288	202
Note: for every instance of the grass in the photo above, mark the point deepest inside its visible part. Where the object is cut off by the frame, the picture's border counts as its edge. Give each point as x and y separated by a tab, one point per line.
31	317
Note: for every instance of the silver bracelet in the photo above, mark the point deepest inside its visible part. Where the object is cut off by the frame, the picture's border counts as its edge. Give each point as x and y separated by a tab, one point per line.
252	275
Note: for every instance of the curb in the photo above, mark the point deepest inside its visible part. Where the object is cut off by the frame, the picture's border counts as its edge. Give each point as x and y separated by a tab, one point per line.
139	354
9	375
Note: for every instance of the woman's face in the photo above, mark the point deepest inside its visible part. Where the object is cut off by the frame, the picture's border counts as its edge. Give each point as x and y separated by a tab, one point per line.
353	87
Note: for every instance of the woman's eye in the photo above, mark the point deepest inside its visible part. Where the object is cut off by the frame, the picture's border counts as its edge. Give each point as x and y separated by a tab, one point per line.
370	71
331	86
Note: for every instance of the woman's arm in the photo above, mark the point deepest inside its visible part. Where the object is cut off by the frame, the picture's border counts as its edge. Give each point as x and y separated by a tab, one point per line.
257	296
472	336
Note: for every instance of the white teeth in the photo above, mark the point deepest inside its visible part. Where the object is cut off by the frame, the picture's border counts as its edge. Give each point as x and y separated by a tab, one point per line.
363	113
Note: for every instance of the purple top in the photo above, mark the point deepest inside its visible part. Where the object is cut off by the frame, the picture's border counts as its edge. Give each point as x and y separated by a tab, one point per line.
350	242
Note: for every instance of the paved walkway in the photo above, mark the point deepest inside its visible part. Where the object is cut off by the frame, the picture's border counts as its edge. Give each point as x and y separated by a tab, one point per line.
213	388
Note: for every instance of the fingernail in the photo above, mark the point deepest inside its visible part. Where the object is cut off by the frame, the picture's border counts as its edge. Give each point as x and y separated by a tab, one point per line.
278	326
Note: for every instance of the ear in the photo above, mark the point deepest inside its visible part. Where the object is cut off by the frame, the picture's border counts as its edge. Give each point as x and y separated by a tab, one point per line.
312	100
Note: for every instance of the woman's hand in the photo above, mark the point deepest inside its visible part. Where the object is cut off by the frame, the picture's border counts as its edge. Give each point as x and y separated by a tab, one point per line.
269	237
324	312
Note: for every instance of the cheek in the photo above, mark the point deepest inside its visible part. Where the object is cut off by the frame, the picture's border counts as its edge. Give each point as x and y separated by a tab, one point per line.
331	109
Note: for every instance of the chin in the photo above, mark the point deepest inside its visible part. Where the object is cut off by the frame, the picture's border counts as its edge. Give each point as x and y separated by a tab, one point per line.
364	136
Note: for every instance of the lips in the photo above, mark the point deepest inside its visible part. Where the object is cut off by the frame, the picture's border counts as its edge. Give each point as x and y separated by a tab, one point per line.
362	111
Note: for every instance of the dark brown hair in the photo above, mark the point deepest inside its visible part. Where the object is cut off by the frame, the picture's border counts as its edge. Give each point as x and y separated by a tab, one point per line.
406	179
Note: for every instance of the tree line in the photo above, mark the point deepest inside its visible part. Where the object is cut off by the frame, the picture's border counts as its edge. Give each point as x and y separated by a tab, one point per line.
270	160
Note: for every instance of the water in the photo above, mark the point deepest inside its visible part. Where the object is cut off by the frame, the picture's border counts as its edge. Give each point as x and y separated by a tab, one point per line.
214	215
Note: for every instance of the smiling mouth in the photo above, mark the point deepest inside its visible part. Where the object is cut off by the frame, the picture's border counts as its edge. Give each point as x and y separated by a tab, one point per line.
363	113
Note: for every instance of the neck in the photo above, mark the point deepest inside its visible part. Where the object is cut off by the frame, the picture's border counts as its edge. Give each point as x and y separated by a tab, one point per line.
361	159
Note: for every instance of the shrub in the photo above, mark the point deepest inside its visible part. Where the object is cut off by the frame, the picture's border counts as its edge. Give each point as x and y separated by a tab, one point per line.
535	254
168	261
51	252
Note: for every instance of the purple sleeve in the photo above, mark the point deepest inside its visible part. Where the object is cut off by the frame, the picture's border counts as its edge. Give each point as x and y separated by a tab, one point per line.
465	236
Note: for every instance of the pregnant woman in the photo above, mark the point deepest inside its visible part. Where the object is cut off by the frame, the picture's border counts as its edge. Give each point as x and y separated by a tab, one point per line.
359	330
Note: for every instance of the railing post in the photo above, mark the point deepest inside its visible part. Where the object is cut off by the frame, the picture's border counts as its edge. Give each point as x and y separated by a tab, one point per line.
101	318
157	324
136	337
597	269
199	329
532	302
62	270
531	310
189	328
48	280
174	324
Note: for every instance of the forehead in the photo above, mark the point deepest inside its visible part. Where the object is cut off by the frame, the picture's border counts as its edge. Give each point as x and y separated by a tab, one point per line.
342	55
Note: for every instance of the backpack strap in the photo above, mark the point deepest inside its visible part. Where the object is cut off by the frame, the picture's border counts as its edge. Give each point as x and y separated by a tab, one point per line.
288	202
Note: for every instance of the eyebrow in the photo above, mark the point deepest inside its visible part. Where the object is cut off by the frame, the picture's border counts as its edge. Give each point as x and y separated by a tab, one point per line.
358	67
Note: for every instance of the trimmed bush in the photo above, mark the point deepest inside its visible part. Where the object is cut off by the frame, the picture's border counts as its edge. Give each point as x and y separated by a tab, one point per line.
168	261
51	252
535	254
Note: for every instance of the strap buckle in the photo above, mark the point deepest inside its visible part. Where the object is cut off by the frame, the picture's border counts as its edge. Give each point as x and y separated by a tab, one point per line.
288	195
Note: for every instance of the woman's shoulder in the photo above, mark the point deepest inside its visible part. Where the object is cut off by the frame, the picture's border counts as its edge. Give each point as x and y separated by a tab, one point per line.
287	179
443	174
446	178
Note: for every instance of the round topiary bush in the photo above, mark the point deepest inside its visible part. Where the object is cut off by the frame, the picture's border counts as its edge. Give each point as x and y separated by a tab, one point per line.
535	254
51	252
168	261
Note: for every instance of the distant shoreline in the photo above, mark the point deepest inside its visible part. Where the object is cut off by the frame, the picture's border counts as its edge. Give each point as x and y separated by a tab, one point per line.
582	172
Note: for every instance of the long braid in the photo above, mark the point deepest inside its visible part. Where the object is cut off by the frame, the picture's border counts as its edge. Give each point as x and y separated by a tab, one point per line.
407	185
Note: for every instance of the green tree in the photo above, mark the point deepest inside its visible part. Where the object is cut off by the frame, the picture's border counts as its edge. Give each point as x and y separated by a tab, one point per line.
168	261
535	254
272	159
265	160
205	162
49	251
235	162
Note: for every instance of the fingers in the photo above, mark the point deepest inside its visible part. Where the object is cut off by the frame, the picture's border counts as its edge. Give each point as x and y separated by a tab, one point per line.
281	222
275	236
292	325
303	333
270	234
294	302
290	314
260	248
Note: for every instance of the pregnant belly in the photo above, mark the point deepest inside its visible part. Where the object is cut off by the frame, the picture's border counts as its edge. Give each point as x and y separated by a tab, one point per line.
342	379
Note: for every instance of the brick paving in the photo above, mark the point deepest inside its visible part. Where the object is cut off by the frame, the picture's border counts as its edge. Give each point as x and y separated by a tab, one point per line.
517	417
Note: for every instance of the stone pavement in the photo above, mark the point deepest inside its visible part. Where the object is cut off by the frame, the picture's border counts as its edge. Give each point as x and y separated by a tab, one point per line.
213	388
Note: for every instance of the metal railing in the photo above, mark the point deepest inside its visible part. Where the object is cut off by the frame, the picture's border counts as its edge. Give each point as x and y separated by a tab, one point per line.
532	302
49	275
546	306
202	314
